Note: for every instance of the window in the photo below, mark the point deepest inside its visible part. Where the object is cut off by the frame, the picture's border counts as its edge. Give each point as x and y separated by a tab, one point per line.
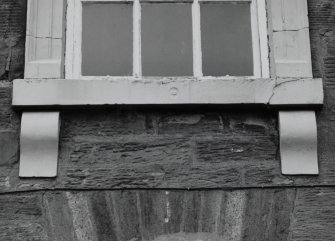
120	52
183	57
166	38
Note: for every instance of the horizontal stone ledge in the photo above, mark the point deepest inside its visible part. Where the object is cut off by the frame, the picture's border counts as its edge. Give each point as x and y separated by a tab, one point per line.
149	91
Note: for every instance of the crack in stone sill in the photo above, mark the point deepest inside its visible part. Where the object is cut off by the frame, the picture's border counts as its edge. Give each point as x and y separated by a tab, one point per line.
278	85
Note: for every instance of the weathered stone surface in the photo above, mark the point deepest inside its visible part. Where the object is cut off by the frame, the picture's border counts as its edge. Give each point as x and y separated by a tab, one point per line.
264	206
12	38
253	214
8	148
309	219
22	218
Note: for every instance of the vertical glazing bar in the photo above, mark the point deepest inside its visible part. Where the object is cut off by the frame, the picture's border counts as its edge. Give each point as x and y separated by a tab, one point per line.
137	62
197	56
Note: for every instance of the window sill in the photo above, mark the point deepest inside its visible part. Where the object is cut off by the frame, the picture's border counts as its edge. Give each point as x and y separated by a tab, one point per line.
230	91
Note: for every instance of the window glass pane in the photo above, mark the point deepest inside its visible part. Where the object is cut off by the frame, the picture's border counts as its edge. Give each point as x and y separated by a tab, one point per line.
226	39
167	39
107	37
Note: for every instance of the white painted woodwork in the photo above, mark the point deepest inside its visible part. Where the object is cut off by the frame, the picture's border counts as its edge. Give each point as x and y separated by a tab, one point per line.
41	92
292	53
137	59
39	144
298	143
196	31
256	44
264	55
45	39
73	39
270	39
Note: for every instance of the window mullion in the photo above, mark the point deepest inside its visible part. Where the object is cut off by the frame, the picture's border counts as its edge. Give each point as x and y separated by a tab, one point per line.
137	59
197	56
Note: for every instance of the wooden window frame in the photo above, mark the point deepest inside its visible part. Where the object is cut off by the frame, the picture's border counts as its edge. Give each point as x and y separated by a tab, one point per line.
73	59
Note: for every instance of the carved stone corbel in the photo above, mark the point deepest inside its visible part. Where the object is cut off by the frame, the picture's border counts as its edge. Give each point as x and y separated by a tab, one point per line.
39	144
298	143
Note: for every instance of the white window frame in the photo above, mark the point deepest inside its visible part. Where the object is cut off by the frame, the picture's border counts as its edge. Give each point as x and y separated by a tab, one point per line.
73	54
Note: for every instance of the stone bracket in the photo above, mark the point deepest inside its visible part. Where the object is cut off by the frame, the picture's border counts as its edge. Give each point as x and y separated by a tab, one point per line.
39	144
298	143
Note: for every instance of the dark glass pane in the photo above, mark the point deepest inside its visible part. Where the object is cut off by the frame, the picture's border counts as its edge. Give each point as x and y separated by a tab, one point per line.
107	39
226	39
167	39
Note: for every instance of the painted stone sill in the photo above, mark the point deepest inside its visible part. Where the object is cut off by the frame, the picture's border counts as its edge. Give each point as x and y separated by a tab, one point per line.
276	92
